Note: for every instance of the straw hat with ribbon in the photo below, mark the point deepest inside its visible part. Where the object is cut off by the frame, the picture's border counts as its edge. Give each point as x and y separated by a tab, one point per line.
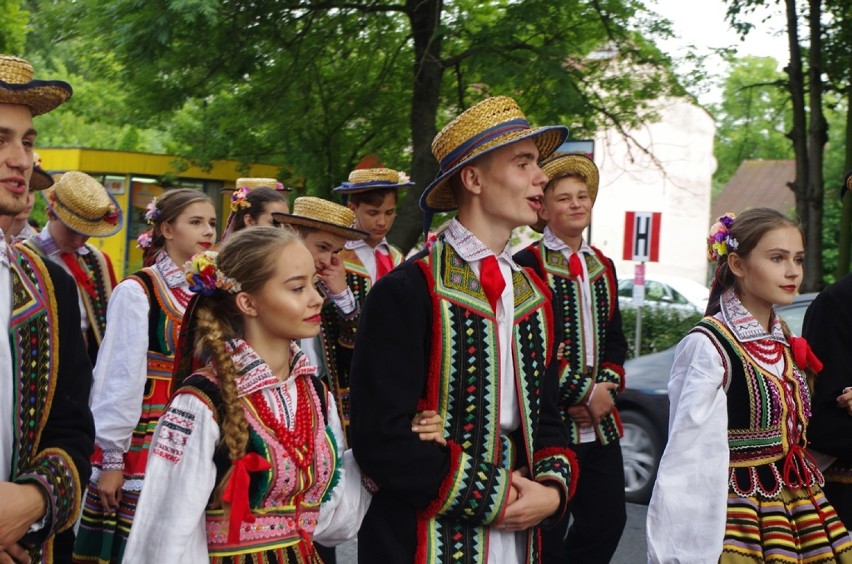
323	215
366	179
490	124
84	205
18	87
252	183
572	164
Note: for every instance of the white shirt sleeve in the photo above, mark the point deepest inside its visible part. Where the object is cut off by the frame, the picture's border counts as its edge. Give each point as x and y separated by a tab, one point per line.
340	517
169	525
688	509
121	368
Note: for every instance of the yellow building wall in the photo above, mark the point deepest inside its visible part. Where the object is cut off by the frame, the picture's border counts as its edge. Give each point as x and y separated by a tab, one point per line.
132	196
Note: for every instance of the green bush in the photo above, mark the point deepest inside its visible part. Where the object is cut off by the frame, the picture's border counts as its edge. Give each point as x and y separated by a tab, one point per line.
661	328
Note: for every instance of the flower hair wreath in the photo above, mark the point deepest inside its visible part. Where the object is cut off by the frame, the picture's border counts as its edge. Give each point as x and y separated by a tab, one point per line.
204	277
239	199
151	211
720	242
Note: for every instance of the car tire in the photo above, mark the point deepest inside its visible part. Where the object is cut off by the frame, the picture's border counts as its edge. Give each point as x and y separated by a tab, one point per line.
641	449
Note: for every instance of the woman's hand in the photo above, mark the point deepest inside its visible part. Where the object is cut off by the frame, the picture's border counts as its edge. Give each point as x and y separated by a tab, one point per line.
109	489
430	426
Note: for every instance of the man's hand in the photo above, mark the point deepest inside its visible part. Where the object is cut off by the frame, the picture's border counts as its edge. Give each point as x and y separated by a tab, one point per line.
580	415
15	554
844	400
535	503
109	489
334	275
429	426
21	506
601	404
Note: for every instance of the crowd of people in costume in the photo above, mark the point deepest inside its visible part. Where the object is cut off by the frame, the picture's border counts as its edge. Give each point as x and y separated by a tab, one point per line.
270	394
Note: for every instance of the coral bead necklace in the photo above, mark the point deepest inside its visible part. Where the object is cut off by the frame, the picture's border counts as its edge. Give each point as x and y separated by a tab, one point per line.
298	441
766	350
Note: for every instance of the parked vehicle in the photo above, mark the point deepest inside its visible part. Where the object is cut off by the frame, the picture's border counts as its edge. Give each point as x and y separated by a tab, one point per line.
644	408
671	292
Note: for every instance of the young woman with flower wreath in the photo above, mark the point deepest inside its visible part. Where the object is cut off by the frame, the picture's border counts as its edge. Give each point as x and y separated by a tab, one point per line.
735	483
254	202
132	378
250	443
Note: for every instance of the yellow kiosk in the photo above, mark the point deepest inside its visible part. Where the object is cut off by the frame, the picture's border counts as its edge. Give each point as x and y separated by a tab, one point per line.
135	178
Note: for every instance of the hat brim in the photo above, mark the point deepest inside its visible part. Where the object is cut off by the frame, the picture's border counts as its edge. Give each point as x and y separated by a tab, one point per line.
343	189
345	232
571	163
99	228
438	197
40	179
41	96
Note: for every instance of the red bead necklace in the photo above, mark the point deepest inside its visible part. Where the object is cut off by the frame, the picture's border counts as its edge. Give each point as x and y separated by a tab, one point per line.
767	350
298	441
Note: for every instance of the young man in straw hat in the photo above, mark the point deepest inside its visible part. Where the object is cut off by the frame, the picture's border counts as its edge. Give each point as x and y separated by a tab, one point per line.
47	435
371	193
462	329
593	348
79	207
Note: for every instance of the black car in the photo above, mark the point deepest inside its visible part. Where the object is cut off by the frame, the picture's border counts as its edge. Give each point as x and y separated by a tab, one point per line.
644	408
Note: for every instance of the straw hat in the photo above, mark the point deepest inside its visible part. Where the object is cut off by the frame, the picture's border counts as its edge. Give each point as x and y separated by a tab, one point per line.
490	124
84	205
323	215
40	179
366	179
18	87
252	183
573	164
847	185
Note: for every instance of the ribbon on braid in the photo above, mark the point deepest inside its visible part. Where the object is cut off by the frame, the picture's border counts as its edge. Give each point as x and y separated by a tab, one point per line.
237	492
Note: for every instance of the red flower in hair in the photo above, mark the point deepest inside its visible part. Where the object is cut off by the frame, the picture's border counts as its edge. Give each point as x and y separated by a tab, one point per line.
112	216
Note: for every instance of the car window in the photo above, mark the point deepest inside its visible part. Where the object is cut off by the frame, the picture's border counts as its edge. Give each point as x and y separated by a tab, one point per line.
678	298
794	317
654	291
625	288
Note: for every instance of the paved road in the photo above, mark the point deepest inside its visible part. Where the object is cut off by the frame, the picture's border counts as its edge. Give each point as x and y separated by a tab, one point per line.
631	549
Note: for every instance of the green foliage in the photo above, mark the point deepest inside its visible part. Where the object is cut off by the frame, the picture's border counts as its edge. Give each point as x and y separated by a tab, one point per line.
753	117
661	328
13	26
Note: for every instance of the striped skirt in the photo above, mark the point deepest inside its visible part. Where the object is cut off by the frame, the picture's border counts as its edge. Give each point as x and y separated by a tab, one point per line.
796	526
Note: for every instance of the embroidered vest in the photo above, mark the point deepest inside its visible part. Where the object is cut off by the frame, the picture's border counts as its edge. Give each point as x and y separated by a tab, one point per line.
358	277
33	331
463	387
100	271
568	310
272	493
766	417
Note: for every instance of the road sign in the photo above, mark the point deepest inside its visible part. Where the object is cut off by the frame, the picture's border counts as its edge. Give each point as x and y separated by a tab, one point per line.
642	236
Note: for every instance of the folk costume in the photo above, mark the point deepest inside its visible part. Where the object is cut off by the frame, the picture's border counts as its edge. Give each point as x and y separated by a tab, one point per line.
331	350
133	382
430	339
735	483
84	206
364	263
45	389
280	505
585	305
828	327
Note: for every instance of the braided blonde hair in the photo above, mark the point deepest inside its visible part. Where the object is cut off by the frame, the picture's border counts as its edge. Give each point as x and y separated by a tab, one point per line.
250	257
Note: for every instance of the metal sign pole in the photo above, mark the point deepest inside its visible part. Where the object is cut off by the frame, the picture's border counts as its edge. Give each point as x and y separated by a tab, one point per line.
638	302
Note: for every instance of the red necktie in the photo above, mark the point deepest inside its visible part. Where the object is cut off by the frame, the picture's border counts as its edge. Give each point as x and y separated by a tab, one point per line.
84	281
492	280
575	266
384	264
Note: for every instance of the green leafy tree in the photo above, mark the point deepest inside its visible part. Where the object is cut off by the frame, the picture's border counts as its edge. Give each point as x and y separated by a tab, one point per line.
752	117
315	86
13	26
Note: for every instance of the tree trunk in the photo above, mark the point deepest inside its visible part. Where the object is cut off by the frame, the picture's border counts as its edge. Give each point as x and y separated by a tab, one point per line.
844	240
799	134
425	16
817	138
